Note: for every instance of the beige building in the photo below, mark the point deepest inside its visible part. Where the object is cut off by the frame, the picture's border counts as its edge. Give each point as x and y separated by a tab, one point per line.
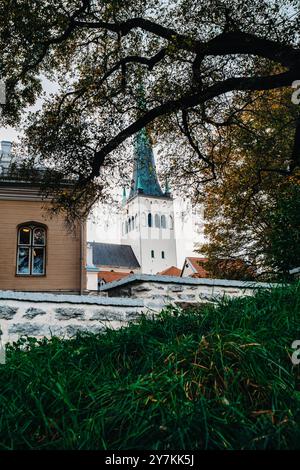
37	252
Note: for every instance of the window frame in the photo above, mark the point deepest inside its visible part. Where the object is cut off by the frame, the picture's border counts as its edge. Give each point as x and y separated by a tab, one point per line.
32	226
163	221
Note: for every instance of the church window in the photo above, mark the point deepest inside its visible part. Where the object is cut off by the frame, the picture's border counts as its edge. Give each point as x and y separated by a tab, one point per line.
163	255
129	225
152	253
143	219
163	221
126	227
135	221
171	223
157	221
149	220
132	223
31	250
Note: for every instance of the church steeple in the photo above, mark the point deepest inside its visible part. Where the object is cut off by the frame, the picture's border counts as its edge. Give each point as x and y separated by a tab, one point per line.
144	178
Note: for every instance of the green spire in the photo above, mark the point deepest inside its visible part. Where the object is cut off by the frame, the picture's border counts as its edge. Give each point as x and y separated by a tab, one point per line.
144	171
144	178
140	188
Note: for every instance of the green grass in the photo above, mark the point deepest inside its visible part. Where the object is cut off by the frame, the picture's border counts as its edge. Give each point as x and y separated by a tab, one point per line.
212	378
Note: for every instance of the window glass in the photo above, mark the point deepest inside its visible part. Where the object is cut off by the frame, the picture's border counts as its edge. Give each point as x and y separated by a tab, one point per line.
38	261
24	236
23	266
39	236
31	250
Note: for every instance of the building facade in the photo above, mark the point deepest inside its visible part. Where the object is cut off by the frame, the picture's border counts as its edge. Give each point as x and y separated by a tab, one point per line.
37	252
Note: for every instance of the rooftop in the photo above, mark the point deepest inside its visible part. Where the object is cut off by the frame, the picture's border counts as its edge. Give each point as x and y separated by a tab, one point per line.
171	271
118	256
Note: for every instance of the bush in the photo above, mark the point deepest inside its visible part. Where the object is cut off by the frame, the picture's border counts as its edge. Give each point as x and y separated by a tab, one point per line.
210	378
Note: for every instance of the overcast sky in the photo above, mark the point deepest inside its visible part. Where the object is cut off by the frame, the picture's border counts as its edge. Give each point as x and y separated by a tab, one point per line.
12	134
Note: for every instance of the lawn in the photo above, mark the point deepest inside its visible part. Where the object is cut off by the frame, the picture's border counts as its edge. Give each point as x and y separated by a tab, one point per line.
206	378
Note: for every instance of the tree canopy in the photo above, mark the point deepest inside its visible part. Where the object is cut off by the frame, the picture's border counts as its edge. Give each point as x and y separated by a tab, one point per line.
197	60
251	208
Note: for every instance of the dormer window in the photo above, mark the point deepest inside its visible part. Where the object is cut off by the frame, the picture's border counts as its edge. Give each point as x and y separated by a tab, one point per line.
31	250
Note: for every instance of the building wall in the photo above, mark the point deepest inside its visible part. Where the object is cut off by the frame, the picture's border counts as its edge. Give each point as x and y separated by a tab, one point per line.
63	253
164	290
144	239
188	270
40	314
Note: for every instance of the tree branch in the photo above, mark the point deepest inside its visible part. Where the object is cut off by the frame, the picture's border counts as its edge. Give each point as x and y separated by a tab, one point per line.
190	101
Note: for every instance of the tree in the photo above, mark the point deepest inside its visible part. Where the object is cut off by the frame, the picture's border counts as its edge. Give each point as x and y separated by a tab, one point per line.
283	236
249	211
195	58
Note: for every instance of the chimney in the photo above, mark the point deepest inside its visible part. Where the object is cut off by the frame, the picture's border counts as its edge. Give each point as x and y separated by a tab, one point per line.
5	155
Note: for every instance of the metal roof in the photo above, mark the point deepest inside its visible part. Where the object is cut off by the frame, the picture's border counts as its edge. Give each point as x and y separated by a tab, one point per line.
108	254
144	178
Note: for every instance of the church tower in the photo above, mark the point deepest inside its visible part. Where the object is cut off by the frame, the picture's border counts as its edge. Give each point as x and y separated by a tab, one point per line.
148	212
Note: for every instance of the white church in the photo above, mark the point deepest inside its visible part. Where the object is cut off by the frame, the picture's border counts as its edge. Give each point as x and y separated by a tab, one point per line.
151	233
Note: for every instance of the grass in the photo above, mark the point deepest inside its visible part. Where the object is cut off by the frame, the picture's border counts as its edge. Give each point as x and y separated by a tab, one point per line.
209	378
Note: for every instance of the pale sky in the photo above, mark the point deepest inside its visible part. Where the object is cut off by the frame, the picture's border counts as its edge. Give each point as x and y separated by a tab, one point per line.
13	133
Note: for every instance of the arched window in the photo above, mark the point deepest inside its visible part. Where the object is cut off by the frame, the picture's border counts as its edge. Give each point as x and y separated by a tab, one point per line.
143	219
171	223
163	221
152	253
126	227
31	250
129	224
157	221
163	255
136	221
132	222
149	220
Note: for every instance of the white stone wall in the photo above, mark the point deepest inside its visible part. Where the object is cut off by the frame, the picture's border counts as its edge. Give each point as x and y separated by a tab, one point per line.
50	315
40	314
165	293
163	290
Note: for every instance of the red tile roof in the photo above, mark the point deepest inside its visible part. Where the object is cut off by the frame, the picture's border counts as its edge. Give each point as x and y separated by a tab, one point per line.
171	271
110	276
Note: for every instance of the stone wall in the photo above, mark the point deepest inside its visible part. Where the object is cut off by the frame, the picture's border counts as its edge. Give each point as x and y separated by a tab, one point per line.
161	290
62	315
41	314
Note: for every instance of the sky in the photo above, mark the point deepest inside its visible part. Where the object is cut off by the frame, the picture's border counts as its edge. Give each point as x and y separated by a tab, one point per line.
12	134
